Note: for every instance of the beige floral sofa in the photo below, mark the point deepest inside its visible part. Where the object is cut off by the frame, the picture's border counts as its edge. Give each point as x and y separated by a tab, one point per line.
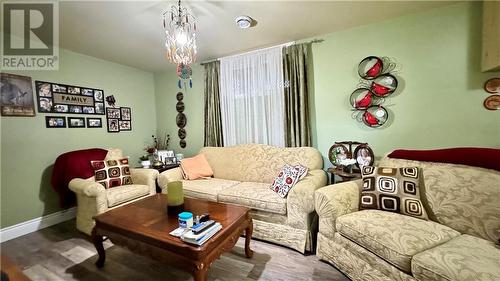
93	199
457	243
242	176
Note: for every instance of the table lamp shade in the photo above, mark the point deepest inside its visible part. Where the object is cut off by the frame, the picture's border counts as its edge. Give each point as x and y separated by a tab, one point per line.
175	194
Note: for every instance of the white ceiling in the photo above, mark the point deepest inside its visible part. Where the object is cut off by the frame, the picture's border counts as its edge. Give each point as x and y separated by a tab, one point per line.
130	32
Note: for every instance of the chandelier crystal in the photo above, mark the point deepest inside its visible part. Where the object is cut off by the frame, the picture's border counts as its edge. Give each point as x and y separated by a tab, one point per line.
180	31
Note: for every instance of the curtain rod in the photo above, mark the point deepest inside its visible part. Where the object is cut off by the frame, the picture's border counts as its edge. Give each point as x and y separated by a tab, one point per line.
251	51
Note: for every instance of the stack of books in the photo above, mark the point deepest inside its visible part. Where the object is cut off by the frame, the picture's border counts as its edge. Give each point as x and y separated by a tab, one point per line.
199	233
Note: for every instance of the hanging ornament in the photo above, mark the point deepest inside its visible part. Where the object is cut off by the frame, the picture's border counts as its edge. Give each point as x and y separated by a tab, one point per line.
361	98
375	116
184	73
370	67
384	85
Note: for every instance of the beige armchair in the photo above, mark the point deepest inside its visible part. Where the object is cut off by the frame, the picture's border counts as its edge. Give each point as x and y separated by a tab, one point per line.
93	199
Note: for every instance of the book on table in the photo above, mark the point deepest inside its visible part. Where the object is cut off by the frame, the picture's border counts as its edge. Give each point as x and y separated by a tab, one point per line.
200	238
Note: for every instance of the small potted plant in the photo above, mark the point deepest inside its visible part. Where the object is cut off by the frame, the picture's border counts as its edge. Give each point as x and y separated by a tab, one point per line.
145	161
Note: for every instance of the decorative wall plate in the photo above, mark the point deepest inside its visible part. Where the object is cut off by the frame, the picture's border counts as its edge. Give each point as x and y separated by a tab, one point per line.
492	86
375	116
179	96
384	85
182	143
181	120
337	153
180	106
370	67
181	133
492	102
361	98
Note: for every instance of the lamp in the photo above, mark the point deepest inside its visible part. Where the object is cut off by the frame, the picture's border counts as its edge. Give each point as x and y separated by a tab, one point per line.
180	31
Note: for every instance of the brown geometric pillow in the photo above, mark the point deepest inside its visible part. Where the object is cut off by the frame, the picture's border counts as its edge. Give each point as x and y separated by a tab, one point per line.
112	173
392	189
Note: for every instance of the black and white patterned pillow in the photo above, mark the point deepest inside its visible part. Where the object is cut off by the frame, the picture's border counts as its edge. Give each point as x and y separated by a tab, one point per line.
392	189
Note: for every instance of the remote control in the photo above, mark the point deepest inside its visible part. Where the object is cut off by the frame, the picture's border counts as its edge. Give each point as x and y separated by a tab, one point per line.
199	228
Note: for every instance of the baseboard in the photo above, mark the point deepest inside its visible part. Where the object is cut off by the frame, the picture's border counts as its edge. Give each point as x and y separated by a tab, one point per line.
35	224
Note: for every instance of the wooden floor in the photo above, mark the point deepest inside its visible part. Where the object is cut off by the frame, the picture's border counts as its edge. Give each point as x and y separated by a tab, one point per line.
62	253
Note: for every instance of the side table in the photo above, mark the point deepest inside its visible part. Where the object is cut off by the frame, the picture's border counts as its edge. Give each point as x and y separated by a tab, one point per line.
161	169
344	176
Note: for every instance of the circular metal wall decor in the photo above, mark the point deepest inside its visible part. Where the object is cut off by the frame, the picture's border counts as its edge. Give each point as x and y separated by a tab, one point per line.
181	133
179	96
180	106
370	67
181	120
384	85
375	116
492	102
492	86
361	98
182	143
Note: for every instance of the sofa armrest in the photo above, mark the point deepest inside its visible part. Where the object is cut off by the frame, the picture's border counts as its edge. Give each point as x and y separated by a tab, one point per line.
145	176
87	188
300	200
334	201
169	176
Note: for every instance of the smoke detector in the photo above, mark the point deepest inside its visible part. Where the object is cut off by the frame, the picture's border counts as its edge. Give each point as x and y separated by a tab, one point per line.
244	22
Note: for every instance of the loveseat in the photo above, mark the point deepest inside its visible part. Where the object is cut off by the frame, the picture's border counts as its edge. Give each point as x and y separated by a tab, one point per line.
93	199
242	176
456	243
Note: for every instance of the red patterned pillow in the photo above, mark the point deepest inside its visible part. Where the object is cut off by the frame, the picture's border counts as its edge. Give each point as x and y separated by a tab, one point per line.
286	179
113	172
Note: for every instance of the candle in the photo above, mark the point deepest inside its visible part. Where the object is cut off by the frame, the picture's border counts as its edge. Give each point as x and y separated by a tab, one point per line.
175	195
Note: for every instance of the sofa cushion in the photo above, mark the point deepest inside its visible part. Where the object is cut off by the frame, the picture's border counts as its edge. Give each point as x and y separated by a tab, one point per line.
254	195
112	172
125	193
393	190
393	237
206	189
462	258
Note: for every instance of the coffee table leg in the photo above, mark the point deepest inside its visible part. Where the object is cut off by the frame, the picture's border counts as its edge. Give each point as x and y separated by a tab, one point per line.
248	237
97	240
201	274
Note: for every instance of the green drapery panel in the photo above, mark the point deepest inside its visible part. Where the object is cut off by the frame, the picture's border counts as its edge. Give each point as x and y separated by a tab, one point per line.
213	121
296	60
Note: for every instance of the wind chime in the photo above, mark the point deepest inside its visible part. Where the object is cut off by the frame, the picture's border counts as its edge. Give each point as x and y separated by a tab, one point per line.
180	42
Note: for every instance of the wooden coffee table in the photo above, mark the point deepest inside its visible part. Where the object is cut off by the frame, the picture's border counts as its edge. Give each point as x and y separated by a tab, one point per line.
143	227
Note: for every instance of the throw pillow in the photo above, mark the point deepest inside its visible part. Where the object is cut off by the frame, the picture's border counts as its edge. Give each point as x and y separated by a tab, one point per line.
392	189
302	171
286	179
196	167
113	172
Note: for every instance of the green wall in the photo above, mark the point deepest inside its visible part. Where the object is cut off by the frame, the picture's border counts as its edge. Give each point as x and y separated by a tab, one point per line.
440	96
166	90
29	149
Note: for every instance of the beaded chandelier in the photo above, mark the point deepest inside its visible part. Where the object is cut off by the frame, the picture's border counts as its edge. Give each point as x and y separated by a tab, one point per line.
180	31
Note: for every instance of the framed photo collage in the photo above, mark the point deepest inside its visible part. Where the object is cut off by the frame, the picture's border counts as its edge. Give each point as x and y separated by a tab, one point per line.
119	119
69	99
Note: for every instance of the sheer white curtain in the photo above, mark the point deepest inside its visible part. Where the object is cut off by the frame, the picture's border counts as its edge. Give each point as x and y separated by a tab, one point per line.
252	98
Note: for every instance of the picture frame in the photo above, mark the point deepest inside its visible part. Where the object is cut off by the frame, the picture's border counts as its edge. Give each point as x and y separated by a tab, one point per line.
364	155
113	125
113	113
166	156
125	125
72	99
337	153
16	95
76	122
126	113
94	122
55	122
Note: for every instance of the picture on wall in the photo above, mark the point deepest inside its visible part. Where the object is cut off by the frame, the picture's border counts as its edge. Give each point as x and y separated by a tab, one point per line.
113	126
76	122
94	122
55	121
61	98
16	95
119	119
